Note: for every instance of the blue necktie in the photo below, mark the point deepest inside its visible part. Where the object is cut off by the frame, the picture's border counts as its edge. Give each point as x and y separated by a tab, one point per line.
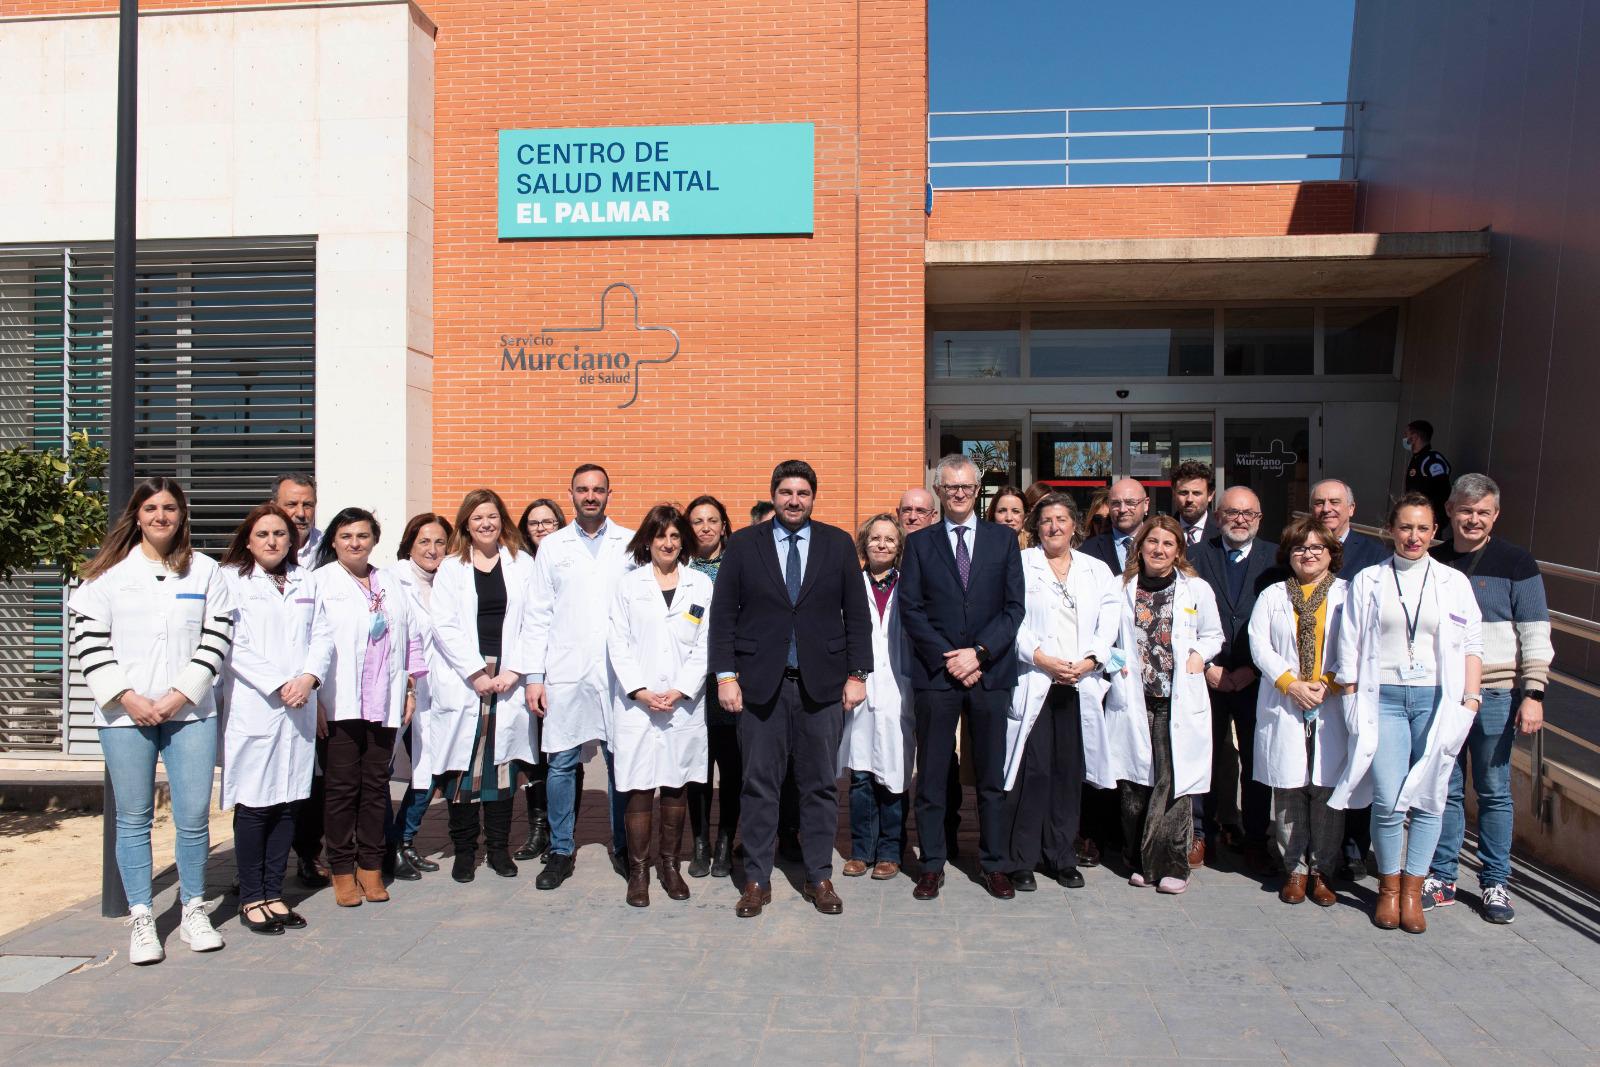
791	579
963	557
1122	550
1235	555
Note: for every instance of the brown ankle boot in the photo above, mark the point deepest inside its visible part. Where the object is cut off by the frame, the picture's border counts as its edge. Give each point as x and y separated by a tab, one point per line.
1321	893
638	825
672	816
1294	889
345	892
1412	921
371	883
1387	915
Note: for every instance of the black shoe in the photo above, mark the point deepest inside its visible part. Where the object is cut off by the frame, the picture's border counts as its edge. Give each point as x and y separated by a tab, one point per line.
1070	878
619	862
400	867
700	860
258	920
538	842
310	877
1022	881
722	857
409	854
462	870
291	919
500	863
557	869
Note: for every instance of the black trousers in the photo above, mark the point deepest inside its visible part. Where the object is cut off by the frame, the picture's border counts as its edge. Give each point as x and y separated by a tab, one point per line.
790	723
1236	713
356	793
1042	808
938	713
308	812
725	767
261	838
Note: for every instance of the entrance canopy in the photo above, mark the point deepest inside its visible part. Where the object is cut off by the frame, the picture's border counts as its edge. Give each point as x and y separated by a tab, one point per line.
1296	267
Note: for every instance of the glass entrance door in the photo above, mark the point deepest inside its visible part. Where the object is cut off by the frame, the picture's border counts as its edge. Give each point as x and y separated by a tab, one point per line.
1271	454
1075	453
1079	453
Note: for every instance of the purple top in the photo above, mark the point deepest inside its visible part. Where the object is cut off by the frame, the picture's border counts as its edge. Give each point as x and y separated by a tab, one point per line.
375	669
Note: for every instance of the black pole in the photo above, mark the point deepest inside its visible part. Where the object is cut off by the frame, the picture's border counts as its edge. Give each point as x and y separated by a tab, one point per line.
113	900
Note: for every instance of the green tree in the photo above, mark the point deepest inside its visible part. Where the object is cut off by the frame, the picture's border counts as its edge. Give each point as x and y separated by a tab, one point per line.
52	507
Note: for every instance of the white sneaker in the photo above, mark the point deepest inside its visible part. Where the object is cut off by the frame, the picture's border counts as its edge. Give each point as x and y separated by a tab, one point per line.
145	945
196	928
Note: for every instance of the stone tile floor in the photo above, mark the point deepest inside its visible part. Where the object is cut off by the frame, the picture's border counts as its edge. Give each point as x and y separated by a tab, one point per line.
497	972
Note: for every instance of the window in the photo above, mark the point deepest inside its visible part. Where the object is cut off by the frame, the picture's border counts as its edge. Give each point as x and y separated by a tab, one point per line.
1359	340
1139	343
985	344
1268	341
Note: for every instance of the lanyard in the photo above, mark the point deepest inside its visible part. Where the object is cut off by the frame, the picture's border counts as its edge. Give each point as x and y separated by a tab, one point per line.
1411	623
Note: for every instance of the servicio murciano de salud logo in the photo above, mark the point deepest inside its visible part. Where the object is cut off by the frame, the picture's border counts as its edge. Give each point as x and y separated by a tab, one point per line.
564	351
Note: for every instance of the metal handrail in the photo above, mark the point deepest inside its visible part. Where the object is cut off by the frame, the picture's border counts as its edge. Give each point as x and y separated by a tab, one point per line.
1066	135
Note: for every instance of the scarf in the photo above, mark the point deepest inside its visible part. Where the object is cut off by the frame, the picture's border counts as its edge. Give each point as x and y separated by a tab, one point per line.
424	583
1305	629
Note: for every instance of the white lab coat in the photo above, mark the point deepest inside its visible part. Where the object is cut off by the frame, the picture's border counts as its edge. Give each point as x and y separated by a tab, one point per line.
453	716
567	620
1195	628
417	766
653	646
339	630
1460	635
1097	594
155	626
880	733
1280	741
269	750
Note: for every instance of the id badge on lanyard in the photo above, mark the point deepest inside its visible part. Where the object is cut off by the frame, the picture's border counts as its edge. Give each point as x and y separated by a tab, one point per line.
1411	671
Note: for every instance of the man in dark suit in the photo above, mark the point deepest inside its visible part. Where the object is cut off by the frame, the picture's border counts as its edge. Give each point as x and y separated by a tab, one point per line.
791	646
1238	566
1130	506
961	601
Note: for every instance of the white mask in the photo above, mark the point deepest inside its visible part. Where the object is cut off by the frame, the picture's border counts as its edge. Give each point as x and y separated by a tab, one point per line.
1405	444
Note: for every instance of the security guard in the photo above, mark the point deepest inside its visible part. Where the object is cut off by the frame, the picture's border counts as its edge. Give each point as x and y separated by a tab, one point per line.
1428	472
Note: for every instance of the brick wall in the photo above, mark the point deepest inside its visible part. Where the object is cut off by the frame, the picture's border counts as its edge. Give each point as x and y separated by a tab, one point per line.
1143	211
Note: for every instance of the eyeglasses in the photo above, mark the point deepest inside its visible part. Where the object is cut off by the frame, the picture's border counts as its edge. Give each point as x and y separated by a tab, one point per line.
541	524
958	489
1239	513
1308	550
1127	505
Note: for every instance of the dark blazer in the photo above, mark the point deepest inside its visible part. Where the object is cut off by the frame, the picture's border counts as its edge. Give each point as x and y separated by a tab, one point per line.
938	615
1210	558
1361	552
751	617
1103	548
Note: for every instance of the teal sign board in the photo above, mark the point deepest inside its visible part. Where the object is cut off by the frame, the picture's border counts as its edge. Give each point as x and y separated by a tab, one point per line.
650	181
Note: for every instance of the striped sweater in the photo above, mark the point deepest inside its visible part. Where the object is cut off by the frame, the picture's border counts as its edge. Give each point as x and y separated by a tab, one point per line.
1516	620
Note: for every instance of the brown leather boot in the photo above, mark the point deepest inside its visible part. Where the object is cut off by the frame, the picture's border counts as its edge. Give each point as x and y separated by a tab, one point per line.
1387	914
345	892
638	825
371	883
1294	889
1412	920
1321	893
673	812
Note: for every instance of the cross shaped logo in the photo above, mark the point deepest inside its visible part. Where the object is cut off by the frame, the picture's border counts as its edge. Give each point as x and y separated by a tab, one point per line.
545	351
1274	461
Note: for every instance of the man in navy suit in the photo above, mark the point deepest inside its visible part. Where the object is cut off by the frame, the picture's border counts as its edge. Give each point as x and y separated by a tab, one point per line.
1238	566
961	602
791	646
1130	506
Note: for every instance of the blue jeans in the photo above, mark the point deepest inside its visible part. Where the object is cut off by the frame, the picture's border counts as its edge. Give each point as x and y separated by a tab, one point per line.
1405	712
403	825
561	794
189	752
1489	745
877	820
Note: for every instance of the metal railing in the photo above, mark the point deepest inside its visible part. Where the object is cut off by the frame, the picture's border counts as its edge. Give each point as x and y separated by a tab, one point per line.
1146	145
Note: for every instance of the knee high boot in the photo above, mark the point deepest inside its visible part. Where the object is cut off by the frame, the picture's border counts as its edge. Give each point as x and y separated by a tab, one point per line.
699	794
497	836
638	825
538	818
673	811
464	838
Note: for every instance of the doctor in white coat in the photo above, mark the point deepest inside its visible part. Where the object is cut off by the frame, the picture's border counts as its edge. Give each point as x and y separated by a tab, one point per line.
1056	732
1158	713
656	644
1301	740
879	733
269	735
480	728
569	681
1412	648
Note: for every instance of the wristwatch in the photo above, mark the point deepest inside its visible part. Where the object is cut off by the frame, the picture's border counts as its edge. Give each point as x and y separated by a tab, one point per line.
1536	695
982	652
860	676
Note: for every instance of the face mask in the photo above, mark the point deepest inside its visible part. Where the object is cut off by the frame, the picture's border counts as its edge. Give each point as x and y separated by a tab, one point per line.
1405	444
378	626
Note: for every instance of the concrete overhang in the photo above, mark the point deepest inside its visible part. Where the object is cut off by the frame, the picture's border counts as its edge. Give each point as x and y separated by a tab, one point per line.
1299	267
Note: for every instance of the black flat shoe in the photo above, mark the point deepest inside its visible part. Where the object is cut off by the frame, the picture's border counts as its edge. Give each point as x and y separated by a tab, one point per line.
267	923
402	868
1071	879
288	917
1022	882
463	869
500	863
557	869
417	860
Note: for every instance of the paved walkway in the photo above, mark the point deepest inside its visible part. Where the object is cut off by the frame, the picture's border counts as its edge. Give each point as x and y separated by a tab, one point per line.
497	972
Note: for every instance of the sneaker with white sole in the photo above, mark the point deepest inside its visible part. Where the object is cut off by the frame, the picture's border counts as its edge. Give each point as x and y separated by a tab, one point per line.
1437	893
1497	905
144	947
196	929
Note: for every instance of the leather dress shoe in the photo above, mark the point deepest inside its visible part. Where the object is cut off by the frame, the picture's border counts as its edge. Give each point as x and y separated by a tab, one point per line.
822	895
928	885
400	866
1022	881
755	897
1071	878
1088	852
854	868
885	870
557	870
999	885
1321	892
1197	853
1294	889
312	873
409	853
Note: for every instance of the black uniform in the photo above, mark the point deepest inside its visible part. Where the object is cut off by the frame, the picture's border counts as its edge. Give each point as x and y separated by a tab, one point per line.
1429	474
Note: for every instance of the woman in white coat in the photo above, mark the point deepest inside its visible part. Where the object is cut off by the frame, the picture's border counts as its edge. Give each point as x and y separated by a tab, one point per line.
1158	714
1301	737
879	732
151	627
656	644
269	734
364	645
1056	733
479	728
1412	649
